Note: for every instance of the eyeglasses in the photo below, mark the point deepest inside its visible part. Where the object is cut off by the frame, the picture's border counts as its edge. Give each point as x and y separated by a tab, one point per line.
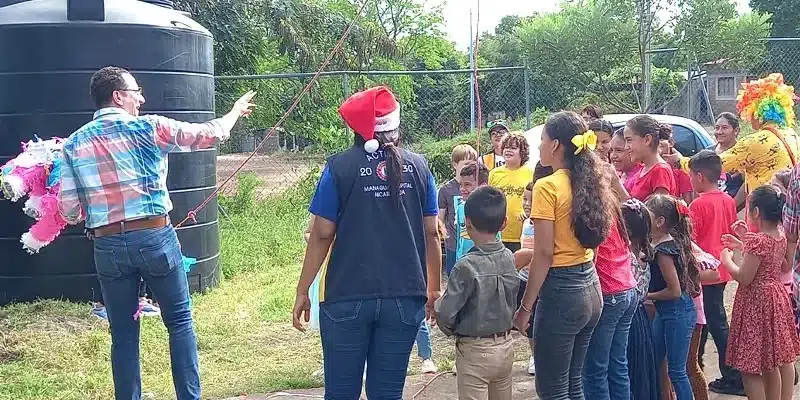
138	90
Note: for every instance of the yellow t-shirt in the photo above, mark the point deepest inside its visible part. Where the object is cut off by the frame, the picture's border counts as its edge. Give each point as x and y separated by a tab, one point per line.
758	156
552	201
512	184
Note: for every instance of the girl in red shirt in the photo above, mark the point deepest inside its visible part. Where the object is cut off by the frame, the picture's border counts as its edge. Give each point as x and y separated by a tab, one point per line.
642	135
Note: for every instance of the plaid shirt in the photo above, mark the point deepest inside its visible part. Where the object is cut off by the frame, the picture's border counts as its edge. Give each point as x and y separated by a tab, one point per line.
791	217
115	167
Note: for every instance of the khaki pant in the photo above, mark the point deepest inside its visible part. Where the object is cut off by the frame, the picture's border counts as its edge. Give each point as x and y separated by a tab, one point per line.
484	368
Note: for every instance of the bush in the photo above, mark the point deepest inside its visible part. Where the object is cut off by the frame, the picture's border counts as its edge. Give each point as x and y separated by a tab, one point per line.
437	152
243	199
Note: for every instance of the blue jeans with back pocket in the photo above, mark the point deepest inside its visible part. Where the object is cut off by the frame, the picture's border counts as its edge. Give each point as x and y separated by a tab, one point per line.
122	261
380	332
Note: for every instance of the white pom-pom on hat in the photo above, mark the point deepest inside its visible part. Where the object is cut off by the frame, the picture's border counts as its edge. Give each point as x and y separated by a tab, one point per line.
370	111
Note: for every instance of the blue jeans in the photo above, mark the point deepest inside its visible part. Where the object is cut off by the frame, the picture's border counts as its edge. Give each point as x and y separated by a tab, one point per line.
605	371
424	349
449	262
672	329
122	261
379	332
569	307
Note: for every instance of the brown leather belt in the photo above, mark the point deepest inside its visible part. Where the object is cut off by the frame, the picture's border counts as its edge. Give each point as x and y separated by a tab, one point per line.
490	336
130	226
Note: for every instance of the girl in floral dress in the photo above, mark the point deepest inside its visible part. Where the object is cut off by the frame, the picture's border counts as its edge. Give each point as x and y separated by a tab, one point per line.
763	342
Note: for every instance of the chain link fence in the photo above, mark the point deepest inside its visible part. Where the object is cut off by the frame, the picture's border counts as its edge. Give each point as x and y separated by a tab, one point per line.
437	104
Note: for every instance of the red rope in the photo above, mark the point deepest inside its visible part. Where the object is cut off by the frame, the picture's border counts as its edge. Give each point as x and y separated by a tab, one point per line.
192	215
475	78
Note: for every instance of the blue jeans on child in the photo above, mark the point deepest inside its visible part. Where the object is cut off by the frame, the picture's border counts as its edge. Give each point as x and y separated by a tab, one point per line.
424	349
605	371
378	331
122	261
672	329
449	262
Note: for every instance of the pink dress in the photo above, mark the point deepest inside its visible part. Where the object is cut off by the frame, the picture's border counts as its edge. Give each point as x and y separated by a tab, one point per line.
763	335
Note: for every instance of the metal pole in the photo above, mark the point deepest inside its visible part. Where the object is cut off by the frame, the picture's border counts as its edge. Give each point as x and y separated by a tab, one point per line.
346	89
527	99
471	78
690	92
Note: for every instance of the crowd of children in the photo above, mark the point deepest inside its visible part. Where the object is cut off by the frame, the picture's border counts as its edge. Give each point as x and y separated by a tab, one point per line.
615	281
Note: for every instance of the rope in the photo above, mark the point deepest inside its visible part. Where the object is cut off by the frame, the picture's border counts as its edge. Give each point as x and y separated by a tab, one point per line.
425	386
192	215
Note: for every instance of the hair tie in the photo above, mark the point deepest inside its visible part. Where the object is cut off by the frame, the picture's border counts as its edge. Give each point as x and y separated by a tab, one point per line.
634	204
388	144
585	140
681	208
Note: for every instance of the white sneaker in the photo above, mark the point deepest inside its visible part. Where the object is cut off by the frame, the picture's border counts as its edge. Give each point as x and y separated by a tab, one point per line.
428	367
531	367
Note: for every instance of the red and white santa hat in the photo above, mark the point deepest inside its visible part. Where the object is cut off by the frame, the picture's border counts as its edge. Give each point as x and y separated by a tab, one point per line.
372	110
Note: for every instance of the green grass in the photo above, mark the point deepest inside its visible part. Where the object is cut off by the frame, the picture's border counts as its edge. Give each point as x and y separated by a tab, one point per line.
57	350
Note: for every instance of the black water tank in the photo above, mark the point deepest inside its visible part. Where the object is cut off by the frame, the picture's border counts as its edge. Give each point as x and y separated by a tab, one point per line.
48	51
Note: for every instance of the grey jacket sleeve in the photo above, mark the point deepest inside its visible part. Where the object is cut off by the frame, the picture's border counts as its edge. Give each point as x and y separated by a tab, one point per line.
459	289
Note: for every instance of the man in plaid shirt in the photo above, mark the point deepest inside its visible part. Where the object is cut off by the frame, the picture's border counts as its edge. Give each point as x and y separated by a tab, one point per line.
114	176
790	180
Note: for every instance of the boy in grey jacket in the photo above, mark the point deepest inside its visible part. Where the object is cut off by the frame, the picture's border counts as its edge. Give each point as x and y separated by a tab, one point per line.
479	303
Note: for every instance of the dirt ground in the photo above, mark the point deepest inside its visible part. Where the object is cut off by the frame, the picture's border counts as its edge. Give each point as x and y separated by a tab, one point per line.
443	386
278	172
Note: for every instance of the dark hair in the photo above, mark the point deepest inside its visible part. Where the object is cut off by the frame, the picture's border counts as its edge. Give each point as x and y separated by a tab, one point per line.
731	118
620	132
593	111
601	125
486	209
104	83
594	206
394	160
540	171
769	203
517	140
645	125
637	224
706	163
680	227
529	186
473	168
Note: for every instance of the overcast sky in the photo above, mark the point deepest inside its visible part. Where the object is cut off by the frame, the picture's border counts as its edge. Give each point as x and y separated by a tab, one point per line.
456	13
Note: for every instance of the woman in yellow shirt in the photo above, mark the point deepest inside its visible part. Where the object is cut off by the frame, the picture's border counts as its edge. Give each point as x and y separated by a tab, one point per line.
572	213
511	179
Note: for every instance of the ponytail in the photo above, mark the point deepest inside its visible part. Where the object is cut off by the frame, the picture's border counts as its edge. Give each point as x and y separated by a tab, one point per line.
394	163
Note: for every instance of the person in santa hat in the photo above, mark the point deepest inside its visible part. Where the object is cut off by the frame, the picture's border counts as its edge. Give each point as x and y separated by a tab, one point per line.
383	274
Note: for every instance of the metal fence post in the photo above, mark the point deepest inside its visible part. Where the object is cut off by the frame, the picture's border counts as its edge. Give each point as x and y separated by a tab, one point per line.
346	89
527	99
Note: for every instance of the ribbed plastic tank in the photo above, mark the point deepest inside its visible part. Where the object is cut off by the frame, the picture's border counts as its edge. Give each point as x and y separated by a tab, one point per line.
49	49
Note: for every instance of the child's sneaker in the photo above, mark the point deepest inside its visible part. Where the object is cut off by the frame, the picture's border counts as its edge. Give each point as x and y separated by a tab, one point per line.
428	367
100	312
149	309
531	367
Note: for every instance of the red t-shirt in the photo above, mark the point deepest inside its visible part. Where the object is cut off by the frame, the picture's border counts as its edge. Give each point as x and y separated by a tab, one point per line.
712	214
660	176
682	181
613	263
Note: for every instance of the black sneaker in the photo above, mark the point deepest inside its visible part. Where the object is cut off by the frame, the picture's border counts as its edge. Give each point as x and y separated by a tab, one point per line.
722	386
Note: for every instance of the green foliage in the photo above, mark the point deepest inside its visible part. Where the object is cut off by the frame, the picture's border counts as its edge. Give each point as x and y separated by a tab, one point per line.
540	115
244	197
438	151
784	16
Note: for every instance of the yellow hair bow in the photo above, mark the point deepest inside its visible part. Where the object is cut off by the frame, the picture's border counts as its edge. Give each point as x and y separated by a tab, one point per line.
587	140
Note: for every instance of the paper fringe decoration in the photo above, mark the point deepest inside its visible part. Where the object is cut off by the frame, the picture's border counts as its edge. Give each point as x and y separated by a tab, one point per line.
767	100
35	173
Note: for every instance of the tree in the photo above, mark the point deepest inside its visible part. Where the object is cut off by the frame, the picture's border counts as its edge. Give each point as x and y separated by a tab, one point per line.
784	16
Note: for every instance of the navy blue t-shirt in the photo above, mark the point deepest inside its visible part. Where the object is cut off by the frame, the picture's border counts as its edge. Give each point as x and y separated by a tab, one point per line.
379	249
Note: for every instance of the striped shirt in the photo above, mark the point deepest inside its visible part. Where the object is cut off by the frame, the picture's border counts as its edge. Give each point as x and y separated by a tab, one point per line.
114	168
791	220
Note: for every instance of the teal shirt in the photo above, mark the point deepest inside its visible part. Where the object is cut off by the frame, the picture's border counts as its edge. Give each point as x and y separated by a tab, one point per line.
463	241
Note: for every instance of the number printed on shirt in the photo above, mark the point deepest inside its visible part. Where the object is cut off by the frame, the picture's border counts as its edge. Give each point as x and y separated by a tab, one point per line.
365	171
408	168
